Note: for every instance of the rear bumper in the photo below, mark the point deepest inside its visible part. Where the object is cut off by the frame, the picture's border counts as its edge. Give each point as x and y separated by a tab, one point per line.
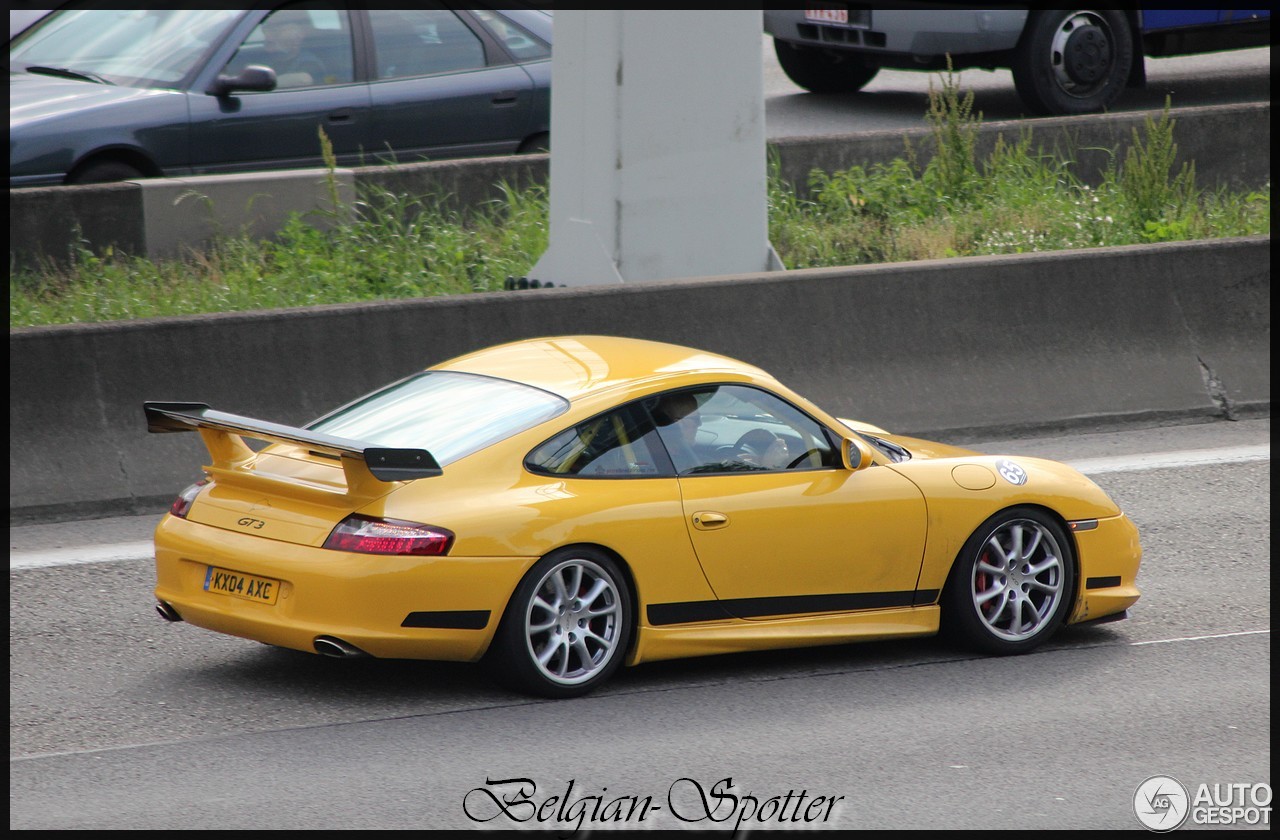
442	608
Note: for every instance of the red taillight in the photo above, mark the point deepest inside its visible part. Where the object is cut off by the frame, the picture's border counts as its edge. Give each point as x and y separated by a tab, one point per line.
366	535
182	504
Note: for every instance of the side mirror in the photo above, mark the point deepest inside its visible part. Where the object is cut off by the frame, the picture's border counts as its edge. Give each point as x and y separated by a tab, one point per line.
854	454
254	77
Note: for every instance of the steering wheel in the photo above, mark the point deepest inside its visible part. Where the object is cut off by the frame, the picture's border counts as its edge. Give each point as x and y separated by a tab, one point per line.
754	444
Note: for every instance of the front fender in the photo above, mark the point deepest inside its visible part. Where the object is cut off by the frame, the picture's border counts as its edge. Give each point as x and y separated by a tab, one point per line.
961	493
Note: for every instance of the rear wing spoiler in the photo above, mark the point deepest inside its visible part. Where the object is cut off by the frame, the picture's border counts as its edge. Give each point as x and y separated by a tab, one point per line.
222	433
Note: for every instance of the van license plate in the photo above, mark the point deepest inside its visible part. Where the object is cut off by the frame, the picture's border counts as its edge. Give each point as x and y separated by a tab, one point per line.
826	15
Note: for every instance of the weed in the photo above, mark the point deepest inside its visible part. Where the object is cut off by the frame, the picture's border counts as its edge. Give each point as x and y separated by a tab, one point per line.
393	246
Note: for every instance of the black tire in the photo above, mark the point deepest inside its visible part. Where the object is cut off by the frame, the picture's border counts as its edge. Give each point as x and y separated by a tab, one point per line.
1073	62
1012	584
824	71
551	642
538	144
104	172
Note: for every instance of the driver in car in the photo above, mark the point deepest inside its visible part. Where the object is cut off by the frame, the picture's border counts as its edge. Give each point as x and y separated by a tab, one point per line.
678	421
284	35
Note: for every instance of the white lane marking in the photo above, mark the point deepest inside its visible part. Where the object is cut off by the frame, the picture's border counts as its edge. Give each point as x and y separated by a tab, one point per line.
84	554
1090	466
1201	638
1164	460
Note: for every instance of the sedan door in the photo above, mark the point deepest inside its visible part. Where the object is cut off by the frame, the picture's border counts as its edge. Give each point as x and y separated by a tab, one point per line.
437	90
281	128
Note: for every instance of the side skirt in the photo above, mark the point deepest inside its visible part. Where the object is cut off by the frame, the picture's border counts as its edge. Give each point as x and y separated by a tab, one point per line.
677	641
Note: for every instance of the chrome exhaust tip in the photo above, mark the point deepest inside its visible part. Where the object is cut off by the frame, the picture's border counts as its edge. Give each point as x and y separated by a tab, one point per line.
167	612
336	648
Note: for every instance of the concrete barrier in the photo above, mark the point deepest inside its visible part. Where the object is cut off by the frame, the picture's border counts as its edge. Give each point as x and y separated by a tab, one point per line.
931	348
161	217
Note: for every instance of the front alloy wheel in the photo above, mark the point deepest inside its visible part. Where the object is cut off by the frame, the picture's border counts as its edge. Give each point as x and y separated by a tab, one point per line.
1010	586
567	627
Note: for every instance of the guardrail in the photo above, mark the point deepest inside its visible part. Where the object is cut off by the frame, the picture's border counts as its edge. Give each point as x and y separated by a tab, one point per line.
932	348
1229	145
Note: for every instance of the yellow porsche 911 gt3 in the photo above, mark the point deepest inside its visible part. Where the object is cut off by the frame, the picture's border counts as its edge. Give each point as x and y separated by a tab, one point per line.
559	506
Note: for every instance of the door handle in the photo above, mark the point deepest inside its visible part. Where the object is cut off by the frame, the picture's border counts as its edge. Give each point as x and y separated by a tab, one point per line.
504	97
340	116
709	520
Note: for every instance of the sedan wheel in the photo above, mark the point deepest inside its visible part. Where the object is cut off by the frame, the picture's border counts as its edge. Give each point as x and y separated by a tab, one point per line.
1011	585
567	626
104	172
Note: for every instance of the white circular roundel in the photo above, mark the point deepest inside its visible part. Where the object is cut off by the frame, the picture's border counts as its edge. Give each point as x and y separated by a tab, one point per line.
1161	803
1011	472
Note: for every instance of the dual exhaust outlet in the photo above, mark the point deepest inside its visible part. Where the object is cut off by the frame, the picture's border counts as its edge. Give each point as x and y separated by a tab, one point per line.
329	646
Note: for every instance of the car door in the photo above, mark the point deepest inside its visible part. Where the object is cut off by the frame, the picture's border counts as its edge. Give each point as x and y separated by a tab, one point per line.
439	90
796	534
250	130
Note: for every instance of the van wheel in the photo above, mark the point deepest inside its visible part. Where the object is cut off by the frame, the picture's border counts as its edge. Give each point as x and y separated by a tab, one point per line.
1073	62
824	71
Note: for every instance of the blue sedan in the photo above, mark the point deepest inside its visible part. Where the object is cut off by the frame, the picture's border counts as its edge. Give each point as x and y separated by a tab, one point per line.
101	95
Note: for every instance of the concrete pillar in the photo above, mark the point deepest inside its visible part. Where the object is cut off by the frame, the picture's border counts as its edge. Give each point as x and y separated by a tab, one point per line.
658	166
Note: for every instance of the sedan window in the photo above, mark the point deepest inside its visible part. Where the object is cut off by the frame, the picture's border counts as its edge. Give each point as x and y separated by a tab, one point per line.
520	42
304	46
420	42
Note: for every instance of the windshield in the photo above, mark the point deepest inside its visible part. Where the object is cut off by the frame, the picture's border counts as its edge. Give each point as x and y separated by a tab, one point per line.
135	48
449	414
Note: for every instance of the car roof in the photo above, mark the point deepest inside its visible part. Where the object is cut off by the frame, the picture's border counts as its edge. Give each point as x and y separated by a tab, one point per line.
574	366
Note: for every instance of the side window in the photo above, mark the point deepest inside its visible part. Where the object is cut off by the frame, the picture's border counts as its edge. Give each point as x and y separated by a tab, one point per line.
305	46
519	41
736	428
419	42
619	444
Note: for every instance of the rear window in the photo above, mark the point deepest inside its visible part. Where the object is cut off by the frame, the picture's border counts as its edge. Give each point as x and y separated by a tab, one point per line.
449	414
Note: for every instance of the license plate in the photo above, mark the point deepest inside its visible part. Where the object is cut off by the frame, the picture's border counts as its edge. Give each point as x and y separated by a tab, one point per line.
842	16
238	584
823	15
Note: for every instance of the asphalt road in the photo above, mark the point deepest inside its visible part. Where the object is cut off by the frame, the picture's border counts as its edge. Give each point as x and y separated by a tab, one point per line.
897	99
121	721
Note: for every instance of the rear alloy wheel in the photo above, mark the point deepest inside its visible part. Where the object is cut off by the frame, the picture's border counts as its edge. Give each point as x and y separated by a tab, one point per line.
104	172
1010	587
567	627
822	70
1073	62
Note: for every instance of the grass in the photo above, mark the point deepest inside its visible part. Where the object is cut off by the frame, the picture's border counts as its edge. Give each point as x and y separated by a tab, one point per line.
1017	199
